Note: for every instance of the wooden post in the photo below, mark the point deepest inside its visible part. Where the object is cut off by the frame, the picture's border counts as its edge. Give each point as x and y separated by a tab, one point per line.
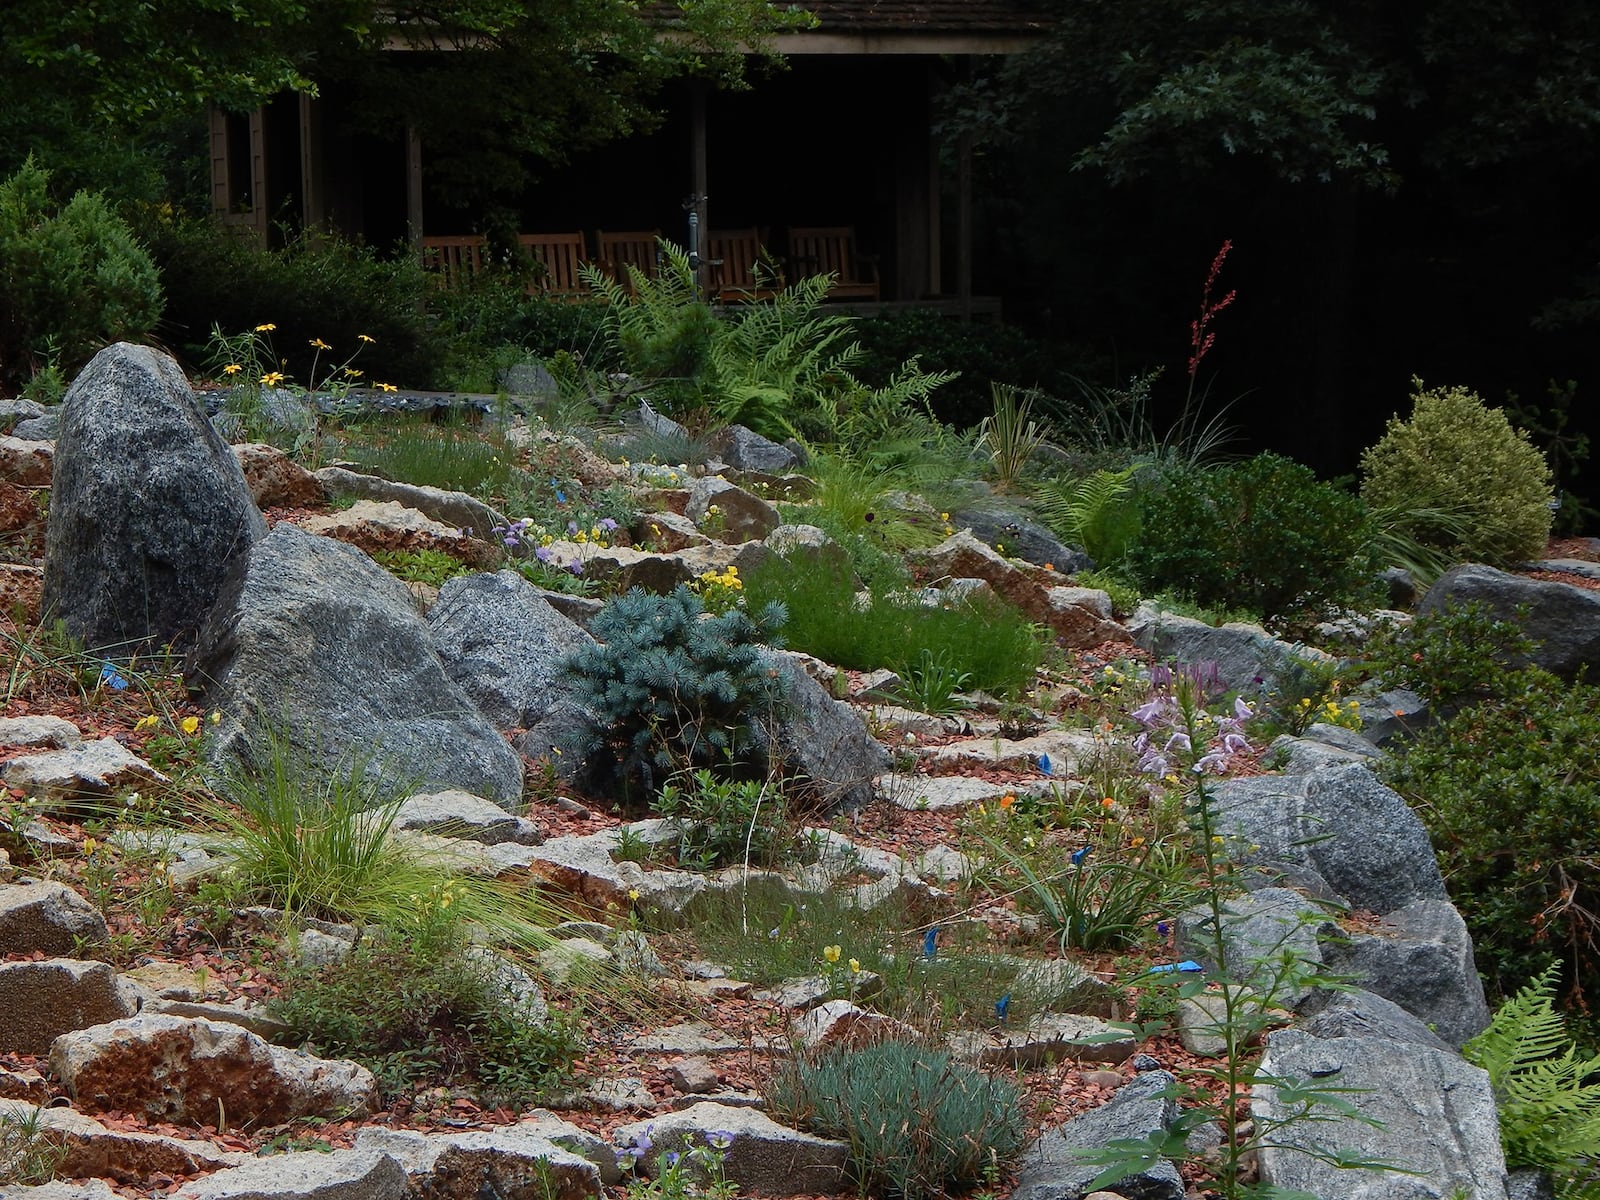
964	212
697	181
414	226
312	209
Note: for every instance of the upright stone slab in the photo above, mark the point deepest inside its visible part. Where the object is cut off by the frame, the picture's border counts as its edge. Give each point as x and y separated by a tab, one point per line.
313	639
148	508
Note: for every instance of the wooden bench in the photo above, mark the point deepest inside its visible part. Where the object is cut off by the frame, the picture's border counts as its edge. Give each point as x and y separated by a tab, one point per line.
742	270
557	258
456	259
831	249
637	249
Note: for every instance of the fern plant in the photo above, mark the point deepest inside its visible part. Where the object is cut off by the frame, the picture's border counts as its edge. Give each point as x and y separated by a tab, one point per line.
1093	512
1549	1109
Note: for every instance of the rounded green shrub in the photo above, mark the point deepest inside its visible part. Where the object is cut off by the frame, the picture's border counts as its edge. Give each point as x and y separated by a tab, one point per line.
72	278
1460	458
1264	535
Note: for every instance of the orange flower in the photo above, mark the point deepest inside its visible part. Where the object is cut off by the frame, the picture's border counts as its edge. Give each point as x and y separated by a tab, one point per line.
1107	802
1007	800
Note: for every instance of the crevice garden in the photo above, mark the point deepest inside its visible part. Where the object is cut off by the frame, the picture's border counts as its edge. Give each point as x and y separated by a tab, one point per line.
694	770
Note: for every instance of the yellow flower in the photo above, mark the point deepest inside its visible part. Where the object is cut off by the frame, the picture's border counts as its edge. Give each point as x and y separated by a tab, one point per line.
831	953
216	717
190	725
144	724
89	845
944	516
732	570
267	328
272	378
232	369
385	387
633	893
353	372
361	337
319	344
1136	843
855	966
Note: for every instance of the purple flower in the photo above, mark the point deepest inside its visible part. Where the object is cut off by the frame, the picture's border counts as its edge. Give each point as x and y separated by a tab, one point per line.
672	1158
1241	710
1234	743
1178	741
719	1139
575	567
572	528
1151	711
1216	762
543	554
608	524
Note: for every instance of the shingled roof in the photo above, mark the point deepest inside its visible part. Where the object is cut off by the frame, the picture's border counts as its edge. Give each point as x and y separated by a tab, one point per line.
928	16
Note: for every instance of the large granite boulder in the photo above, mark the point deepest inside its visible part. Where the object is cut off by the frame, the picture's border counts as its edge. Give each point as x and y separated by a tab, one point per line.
1050	1170
502	643
1336	831
1247	656
826	741
1563	620
45	999
149	508
1433	1120
315	642
47	918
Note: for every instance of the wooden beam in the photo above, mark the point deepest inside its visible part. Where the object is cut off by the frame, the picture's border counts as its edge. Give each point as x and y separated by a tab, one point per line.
414	215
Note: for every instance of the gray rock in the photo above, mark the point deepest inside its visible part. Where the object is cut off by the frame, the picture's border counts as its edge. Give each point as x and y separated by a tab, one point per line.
659	425
52	733
827	741
694	1075
19	409
455	509
95	768
1421	959
1266	936
837	1023
317	642
1146	1104
26	461
1434	1115
743	517
275	480
514	1162
148	508
528	379
1563	620
1247	656
503	645
181	1069
47	918
762	1157
745	450
93	1189
1045	1037
47	998
1337	831
1394	717
1022	537
1360	1013
1529	1184
307	1175
458	814
691	1037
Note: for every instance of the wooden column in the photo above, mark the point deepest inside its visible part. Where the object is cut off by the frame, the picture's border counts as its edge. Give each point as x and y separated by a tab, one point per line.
697	177
414	225
313	213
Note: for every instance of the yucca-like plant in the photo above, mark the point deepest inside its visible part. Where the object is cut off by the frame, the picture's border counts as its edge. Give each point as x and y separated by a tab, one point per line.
1009	435
1549	1104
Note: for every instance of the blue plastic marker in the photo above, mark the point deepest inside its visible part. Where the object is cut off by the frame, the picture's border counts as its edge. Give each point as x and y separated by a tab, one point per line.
930	943
1187	964
1079	855
109	676
1044	764
1002	1007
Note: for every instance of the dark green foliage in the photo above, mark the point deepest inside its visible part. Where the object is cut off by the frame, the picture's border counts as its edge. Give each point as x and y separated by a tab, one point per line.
1262	534
425	1008
72	278
666	689
1510	791
723	822
986	640
983	352
919	1123
323	288
1452	655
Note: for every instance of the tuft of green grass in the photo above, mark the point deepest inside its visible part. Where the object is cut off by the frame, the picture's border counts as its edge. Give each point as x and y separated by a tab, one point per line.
454	457
27	1154
984	639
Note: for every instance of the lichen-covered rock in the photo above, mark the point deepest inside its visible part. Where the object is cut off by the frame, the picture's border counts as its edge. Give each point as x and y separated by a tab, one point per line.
47	918
47	998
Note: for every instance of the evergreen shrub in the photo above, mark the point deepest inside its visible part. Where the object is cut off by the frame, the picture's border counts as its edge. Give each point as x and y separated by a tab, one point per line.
667	687
1510	792
72	278
1458	456
1263	534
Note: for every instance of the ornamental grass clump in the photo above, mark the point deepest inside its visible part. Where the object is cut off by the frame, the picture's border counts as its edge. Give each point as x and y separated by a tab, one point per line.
919	1124
1460	457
